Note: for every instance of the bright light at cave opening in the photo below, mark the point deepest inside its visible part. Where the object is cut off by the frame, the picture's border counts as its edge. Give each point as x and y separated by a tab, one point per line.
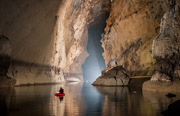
96	74
95	63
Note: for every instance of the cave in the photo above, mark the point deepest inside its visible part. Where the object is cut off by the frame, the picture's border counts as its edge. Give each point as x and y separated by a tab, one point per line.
111	57
95	62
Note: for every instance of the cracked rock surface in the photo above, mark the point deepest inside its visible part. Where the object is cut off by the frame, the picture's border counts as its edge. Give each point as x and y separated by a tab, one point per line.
166	46
114	77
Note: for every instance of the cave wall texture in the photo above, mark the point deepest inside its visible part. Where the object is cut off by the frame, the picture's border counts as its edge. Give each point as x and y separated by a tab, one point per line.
29	26
166	45
49	38
129	34
142	36
82	16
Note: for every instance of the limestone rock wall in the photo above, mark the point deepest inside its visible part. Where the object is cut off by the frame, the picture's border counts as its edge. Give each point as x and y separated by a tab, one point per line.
166	52
131	28
166	46
48	37
78	17
29	25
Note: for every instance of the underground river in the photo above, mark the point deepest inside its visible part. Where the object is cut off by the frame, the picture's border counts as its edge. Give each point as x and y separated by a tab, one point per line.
81	100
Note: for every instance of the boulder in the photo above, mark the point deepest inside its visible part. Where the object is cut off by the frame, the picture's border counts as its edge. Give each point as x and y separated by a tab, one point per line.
116	76
158	76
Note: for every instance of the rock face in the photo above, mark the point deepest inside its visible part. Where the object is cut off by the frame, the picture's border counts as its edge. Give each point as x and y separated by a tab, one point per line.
48	38
78	19
166	45
31	74
129	34
114	77
29	26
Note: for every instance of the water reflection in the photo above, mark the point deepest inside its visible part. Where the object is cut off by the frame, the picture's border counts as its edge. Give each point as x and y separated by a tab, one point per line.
93	100
130	102
73	99
81	100
6	100
159	100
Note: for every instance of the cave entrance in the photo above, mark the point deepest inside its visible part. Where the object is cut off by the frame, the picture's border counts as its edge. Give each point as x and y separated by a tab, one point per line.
95	62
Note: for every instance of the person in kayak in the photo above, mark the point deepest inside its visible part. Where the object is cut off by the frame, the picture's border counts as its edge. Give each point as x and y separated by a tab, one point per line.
61	90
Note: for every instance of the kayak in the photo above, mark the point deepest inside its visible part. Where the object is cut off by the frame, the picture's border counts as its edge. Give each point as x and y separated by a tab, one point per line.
59	94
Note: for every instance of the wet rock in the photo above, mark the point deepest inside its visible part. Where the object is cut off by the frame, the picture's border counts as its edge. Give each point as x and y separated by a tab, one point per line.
158	76
5	55
173	109
116	76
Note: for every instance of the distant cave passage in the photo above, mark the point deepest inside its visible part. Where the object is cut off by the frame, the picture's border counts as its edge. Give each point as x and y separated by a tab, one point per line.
95	62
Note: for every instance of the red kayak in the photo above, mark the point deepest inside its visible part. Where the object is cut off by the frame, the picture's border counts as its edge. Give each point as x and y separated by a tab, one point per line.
59	94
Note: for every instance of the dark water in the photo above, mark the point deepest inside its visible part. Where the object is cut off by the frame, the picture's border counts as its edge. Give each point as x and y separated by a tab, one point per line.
81	100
